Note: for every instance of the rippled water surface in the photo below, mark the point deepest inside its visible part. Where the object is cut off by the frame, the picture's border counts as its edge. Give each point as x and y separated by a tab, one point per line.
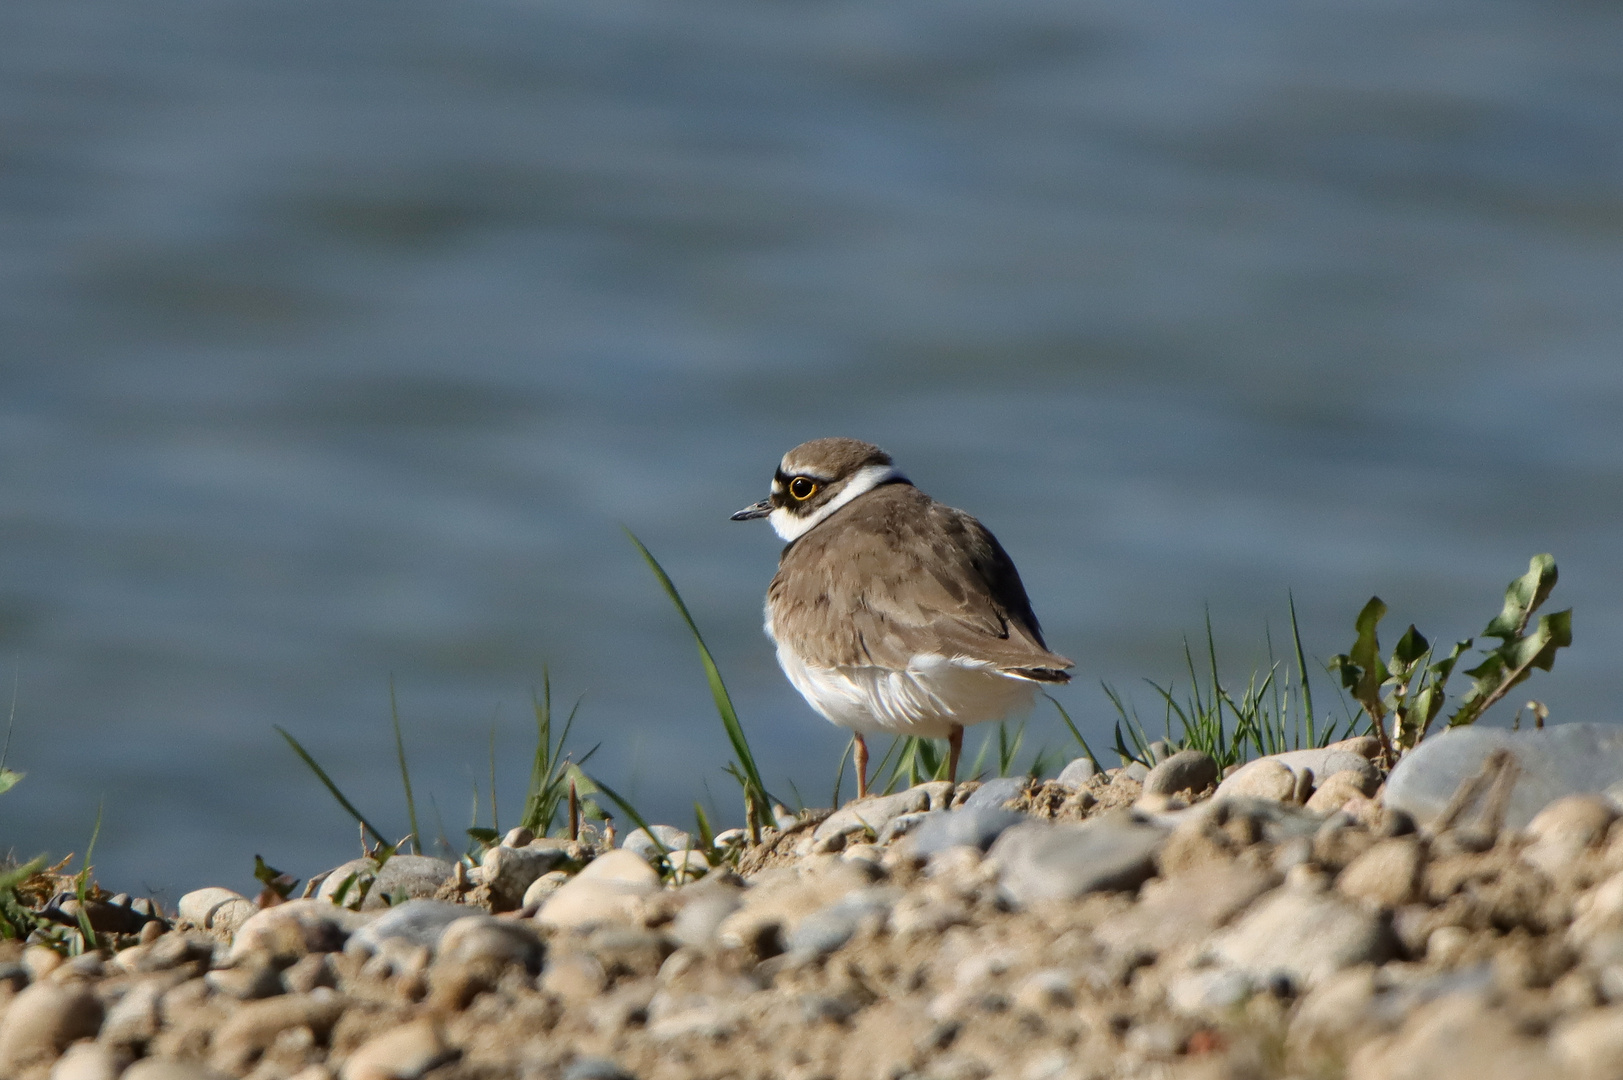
338	340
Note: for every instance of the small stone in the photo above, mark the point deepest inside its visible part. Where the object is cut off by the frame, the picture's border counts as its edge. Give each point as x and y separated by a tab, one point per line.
43	1020
1333	1012
1208	991
903	825
687	866
870	816
40	960
1454	1038
88	1061
216	909
1077	773
508	872
641	843
544	886
1263	778
1590	1044
253	978
254	1025
610	889
1446	945
1135	770
1037	861
697	921
995	794
402	1053
288	931
517	837
1047	989
1387	874
1340	789
1187	770
825	931
488	941
309	972
1303	936
595	1068
419	922
169	1069
968	826
1565	829
403	877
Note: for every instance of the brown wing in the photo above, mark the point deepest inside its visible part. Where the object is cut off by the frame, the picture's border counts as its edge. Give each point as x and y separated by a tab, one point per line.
896	574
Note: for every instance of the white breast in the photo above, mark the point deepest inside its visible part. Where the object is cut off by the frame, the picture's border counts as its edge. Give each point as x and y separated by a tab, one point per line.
926	699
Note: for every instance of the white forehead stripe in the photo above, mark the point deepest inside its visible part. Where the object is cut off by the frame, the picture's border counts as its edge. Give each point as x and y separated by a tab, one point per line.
864	480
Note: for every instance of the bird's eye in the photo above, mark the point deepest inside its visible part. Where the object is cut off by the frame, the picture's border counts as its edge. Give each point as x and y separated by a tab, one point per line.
802	488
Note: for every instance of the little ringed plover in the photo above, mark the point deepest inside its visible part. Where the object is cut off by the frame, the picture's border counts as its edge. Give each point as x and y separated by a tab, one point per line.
893	613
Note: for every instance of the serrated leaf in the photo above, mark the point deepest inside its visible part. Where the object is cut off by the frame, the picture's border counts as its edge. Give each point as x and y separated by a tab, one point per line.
1523	597
8	779
1410	648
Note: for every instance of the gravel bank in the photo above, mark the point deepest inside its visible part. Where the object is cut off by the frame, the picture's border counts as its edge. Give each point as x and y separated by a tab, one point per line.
1112	926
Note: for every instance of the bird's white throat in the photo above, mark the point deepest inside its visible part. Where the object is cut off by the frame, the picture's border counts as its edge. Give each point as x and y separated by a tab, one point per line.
864	480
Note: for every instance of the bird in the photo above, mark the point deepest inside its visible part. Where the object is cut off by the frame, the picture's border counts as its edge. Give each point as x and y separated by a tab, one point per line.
893	613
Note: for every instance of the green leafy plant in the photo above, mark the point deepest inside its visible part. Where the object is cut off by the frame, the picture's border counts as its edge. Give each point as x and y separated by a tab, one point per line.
1410	687
549	780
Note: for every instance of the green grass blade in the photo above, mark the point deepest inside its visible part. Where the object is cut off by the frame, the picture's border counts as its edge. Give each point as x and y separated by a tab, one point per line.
81	885
631	812
321	774
494	823
405	773
1075	734
839	774
718	690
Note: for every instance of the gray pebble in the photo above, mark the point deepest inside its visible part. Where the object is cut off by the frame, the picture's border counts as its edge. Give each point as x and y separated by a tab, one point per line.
640	842
1302	936
596	1068
419	922
1565	759
1038	861
1077	774
1136	770
403	877
968	827
993	794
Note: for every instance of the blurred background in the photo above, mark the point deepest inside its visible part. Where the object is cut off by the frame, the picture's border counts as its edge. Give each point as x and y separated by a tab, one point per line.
339	339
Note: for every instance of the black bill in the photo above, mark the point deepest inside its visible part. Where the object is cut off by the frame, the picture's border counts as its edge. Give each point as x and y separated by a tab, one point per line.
754	510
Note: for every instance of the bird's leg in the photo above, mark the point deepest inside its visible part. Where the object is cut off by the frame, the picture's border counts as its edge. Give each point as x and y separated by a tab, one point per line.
859	759
955	747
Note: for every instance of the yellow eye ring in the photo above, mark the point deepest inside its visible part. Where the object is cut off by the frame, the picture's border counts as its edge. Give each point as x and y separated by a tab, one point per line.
802	488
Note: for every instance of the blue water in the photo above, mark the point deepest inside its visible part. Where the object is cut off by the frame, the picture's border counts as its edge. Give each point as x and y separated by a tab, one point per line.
338	340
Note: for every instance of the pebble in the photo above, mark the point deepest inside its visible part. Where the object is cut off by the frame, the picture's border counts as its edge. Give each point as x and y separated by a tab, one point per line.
610	889
402	1053
872	814
88	1061
1135	770
487	940
1387	874
1303	936
595	1068
216	909
419	922
824	931
40	961
544	886
1208	991
403	877
1340	789
43	1020
702	913
1590	1045
508	872
641	843
1175	915
1264	778
290	930
1037	861
997	793
1565	829
1187	770
975	827
169	1069
1453	1038
1077	773
253	1025
249	980
1563	759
